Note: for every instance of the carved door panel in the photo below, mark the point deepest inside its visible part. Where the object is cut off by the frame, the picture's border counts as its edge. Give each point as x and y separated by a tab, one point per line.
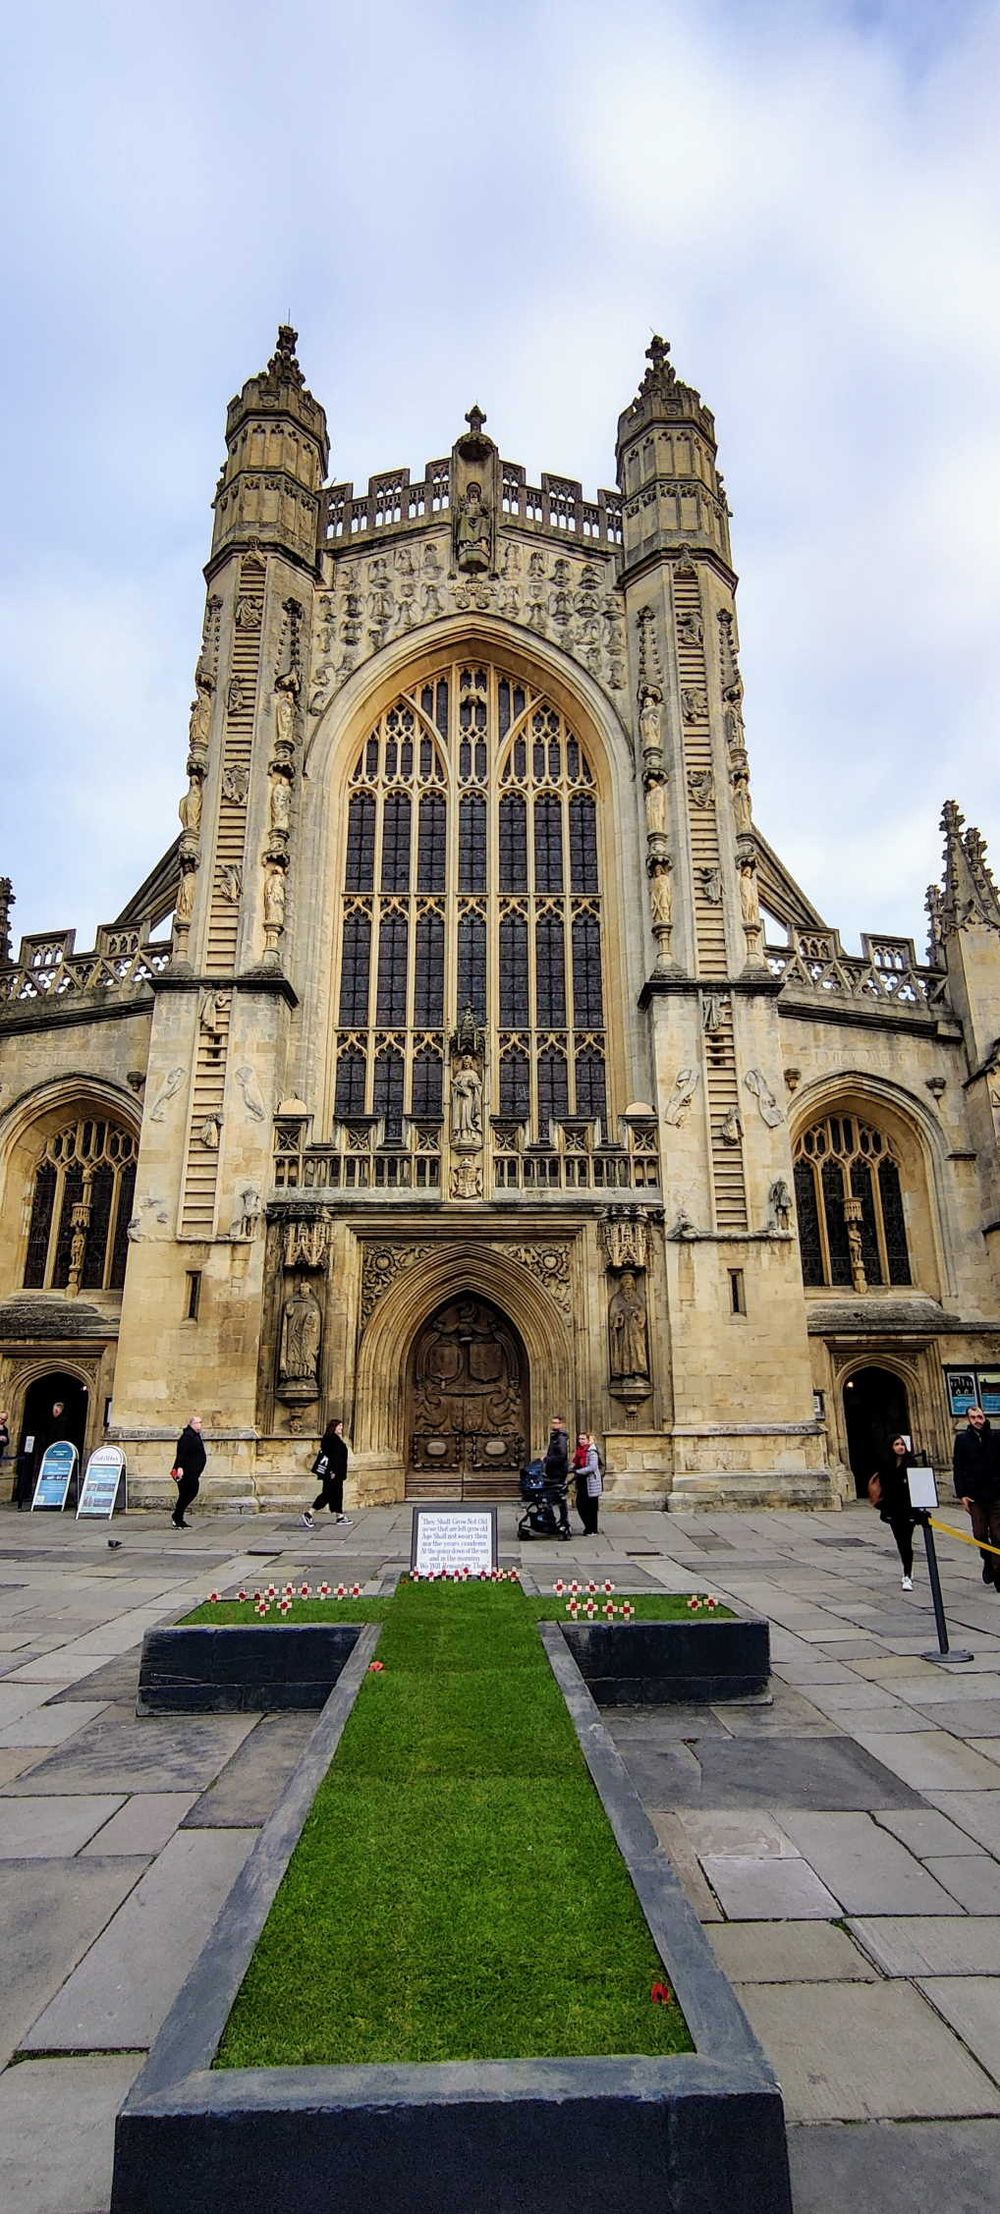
468	1415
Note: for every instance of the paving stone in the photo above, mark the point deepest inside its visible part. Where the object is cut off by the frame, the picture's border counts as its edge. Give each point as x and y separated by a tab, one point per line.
50	1912
48	1828
976	1812
17	1700
768	1890
816	1772
143	1823
15	1760
868	1870
930	1760
972	1878
252	1782
931	1945
924	1830
968	1717
788	1715
895	2167
118	1997
989	1747
117	1753
860	2051
57	2124
790	1952
116	1679
743	1836
686	1866
972	2005
50	1725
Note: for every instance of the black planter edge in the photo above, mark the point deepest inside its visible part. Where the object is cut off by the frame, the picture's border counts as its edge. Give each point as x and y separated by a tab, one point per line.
264	1669
734	1660
705	2130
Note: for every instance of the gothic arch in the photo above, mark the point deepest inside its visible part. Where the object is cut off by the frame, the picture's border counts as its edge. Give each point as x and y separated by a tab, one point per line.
386	1343
25	1131
922	1148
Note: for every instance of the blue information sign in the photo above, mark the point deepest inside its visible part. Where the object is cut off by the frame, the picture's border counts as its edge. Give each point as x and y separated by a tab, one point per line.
55	1475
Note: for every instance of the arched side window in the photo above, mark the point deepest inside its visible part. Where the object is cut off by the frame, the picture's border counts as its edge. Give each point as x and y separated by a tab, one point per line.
81	1204
849	1199
472	879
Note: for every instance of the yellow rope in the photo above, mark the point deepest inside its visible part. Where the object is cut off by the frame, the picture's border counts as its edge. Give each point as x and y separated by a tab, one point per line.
962	1536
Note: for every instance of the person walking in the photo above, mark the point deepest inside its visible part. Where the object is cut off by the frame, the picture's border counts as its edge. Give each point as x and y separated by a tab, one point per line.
189	1461
557	1471
330	1465
595	1481
889	1492
976	1467
5	1445
587	1471
581	1457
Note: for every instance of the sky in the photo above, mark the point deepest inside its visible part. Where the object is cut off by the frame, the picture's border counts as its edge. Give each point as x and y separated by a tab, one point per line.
501	200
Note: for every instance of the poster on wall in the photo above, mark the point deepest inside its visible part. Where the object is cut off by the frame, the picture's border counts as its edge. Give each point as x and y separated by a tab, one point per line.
961	1384
55	1475
105	1477
989	1391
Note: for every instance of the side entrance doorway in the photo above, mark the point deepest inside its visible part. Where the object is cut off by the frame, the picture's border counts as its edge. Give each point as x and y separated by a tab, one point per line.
467	1404
41	1423
876	1410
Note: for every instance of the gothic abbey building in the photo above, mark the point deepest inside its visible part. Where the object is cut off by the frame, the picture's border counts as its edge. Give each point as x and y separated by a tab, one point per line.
494	1066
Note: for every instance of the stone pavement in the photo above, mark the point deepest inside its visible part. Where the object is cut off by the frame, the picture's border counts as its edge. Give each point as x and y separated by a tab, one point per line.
841	1843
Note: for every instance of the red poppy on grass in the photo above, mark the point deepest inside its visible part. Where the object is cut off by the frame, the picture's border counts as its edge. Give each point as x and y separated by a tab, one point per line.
662	1995
376	1668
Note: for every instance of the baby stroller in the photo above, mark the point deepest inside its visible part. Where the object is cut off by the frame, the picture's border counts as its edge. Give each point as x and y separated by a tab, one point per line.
546	1510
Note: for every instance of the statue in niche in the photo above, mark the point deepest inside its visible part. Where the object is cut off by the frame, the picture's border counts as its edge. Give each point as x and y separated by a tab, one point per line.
748	891
661	896
780	1201
286	693
301	1329
627	1331
467	1104
656	806
739	781
189	808
281	803
711	884
231	882
473	531
686	1083
701	787
253	1098
201	714
234	696
184	904
650	723
274	898
690	628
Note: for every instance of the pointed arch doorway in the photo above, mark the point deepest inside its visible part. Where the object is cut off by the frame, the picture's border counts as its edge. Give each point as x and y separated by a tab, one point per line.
876	1410
467	1403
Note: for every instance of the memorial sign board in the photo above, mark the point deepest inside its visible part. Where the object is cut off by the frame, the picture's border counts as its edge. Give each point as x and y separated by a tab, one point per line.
922	1487
55	1475
103	1478
448	1535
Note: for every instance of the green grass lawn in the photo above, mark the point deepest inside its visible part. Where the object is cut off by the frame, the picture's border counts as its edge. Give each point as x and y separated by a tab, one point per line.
649	1606
457	1893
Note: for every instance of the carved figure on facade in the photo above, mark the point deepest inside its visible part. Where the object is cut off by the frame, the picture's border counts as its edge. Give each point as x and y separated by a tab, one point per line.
651	728
657	807
286	698
624	1236
249	1217
209	1132
731	1130
212	1009
467	1104
682	1229
301	1334
184	903
200	725
467	1178
701	787
235	783
189	810
767	1106
710	880
690	628
231	882
253	1098
275	892
694	704
280	801
686	1083
473	531
380	1266
247	613
780	1203
739	785
168	1090
627	1332
234	696
714	1009
750	904
306	1243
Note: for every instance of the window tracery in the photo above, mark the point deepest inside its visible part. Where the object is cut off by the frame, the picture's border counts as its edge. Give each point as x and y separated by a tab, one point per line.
80	1207
849	1202
471	879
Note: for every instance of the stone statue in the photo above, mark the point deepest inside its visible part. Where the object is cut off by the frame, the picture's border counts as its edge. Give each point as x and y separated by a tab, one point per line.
201	714
231	882
281	803
235	783
767	1105
184	904
467	1104
650	723
274	898
473	531
739	782
189	808
251	1214
661	896
627	1330
686	1083
656	806
286	692
301	1329
731	1131
711	884
780	1200
701	787
748	892
713	1008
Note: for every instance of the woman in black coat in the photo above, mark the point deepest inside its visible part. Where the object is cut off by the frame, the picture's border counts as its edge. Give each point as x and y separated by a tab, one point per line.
889	1492
330	1465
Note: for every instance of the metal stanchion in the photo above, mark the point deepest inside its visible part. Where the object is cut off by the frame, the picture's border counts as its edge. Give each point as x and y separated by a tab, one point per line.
922	1487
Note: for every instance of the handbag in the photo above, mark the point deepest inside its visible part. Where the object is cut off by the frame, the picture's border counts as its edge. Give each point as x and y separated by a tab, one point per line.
320	1465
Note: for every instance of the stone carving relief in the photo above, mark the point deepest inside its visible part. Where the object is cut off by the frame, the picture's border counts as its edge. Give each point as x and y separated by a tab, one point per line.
714	1010
701	787
168	1091
624	1235
299	1346
710	880
467	1105
249	1216
253	1098
767	1106
235	783
731	1130
307	1243
780	1203
686	1083
694	704
231	882
380	1266
549	1264
753	928
627	1332
209	1132
467	1178
200	725
474	532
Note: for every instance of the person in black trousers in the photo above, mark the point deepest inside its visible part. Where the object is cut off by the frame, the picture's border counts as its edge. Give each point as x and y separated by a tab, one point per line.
557	1472
977	1484
889	1492
330	1465
189	1460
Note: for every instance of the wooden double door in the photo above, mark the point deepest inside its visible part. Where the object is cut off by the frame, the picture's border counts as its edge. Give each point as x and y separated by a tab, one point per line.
467	1404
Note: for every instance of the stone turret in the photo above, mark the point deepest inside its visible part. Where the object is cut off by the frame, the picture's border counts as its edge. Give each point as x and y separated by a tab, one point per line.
278	450
667	473
965	936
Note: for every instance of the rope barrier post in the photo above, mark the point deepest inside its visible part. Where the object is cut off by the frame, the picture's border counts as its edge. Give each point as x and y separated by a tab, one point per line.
945	1652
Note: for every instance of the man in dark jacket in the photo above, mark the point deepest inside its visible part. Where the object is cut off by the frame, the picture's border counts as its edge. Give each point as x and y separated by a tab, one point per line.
189	1460
977	1484
557	1471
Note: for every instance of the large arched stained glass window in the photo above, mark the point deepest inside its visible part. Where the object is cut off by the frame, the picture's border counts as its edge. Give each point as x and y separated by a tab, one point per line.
849	1199
81	1205
472	879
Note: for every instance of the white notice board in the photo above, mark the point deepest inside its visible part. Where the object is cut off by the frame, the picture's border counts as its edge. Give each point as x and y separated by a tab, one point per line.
105	1474
445	1536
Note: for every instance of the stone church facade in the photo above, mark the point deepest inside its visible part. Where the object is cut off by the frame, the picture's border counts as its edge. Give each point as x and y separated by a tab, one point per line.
494	1066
